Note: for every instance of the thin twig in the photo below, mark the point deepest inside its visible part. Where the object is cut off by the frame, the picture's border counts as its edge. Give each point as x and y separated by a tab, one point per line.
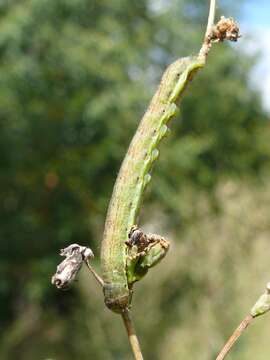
206	45
94	273
134	342
236	334
211	17
261	307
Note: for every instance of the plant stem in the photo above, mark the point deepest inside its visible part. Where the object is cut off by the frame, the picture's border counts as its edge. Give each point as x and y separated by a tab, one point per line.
236	334
211	17
94	273
133	339
206	45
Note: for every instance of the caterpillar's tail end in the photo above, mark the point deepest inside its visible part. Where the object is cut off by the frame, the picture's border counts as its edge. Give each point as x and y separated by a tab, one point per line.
117	297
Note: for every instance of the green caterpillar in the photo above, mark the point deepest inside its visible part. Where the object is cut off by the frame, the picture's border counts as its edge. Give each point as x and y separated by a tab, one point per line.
132	179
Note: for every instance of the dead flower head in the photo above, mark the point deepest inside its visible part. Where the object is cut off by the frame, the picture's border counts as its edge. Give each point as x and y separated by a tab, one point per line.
225	29
68	269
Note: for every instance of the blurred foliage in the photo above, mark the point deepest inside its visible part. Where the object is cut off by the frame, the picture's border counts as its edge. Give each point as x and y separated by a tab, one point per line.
75	78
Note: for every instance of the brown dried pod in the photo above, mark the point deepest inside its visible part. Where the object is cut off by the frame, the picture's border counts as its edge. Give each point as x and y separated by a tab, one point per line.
225	29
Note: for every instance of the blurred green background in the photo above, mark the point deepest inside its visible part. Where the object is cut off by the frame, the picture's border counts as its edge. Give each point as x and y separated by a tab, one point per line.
75	78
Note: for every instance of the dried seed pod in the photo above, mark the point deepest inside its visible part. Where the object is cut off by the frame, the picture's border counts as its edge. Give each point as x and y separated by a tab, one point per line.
225	29
68	269
137	238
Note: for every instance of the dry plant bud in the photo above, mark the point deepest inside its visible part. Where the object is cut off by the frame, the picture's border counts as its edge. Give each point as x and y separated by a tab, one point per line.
68	269
225	29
